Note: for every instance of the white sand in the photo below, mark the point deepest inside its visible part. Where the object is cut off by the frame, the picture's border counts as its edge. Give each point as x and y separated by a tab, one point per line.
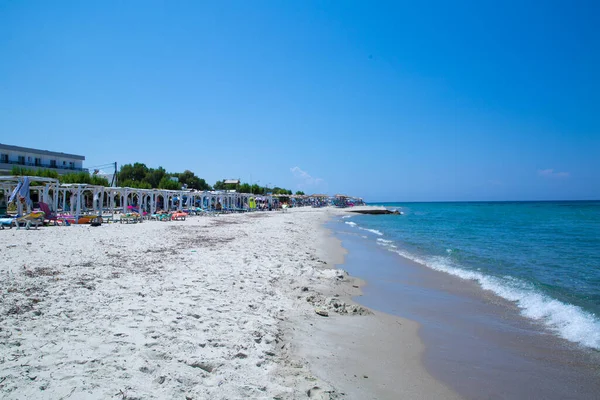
203	308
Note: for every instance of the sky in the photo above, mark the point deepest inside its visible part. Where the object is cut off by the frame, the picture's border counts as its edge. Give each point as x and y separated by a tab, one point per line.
389	101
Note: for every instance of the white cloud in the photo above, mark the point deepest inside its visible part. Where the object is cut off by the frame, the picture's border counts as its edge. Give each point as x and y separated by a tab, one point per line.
550	173
305	179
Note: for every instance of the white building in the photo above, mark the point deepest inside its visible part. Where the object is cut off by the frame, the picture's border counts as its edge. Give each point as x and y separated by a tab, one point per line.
24	157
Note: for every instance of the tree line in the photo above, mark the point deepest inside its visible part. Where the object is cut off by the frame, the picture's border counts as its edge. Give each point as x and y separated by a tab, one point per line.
73	177
140	176
255	189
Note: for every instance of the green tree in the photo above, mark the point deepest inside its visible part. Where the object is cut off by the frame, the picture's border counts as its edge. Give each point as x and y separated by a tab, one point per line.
190	179
167	183
300	193
83	177
136	172
255	189
134	184
244	188
219	185
278	190
154	176
46	173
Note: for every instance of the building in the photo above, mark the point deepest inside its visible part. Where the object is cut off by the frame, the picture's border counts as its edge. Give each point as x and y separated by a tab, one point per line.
24	157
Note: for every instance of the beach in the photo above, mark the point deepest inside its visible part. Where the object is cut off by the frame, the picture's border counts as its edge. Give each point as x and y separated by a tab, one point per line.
211	307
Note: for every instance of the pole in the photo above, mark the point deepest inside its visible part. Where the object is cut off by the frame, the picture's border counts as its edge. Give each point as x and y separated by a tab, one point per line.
113	182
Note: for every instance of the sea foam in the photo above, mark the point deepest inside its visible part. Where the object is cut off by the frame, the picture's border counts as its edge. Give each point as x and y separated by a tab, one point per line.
354	224
566	320
375	231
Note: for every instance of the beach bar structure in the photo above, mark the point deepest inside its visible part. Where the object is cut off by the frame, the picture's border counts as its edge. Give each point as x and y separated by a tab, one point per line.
45	188
79	199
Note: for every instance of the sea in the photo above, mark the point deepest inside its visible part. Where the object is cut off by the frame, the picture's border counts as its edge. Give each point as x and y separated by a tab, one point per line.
504	291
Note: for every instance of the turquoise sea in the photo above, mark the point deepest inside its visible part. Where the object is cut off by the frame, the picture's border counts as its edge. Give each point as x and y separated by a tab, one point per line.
543	256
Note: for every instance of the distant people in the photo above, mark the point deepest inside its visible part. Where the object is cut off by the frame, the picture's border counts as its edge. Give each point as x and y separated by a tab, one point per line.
218	207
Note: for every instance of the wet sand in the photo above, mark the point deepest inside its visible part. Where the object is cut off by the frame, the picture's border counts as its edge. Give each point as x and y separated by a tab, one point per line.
476	342
371	356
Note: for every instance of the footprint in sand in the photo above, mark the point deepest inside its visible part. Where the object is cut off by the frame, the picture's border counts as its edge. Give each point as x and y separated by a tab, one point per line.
317	393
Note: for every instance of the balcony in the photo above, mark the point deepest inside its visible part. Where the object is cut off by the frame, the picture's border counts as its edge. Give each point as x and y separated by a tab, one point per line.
43	166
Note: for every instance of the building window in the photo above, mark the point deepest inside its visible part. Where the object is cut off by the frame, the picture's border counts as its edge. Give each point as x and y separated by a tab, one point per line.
53	163
21	160
38	161
64	163
71	164
4	158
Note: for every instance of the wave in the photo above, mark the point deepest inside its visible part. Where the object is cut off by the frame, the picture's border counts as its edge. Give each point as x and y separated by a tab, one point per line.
375	231
566	320
354	224
386	243
347	216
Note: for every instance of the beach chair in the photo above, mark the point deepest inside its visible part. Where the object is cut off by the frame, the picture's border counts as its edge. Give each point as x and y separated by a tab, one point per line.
50	216
130	218
35	219
162	216
203	212
178	216
6	222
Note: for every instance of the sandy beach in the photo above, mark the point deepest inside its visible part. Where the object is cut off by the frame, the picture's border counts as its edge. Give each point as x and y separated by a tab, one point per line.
222	307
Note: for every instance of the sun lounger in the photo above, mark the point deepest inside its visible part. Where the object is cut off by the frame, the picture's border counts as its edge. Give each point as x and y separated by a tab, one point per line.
160	217
35	219
50	216
130	218
6	222
178	216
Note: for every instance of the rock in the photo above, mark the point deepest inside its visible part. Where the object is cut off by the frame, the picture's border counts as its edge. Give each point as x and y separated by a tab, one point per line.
203	366
322	312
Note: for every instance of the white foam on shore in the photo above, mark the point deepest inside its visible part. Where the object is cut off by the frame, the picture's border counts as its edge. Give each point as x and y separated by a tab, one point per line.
354	224
386	243
566	320
375	231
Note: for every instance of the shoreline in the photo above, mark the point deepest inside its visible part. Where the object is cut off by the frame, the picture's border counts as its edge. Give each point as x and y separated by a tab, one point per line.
202	308
371	356
476	342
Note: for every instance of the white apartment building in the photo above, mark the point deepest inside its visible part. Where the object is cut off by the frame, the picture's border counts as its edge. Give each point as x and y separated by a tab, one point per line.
25	157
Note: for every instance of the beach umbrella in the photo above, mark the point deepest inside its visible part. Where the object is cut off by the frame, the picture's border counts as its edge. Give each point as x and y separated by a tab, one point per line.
14	193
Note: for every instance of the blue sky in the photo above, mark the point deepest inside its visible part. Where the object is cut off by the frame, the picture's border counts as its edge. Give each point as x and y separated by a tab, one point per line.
386	100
